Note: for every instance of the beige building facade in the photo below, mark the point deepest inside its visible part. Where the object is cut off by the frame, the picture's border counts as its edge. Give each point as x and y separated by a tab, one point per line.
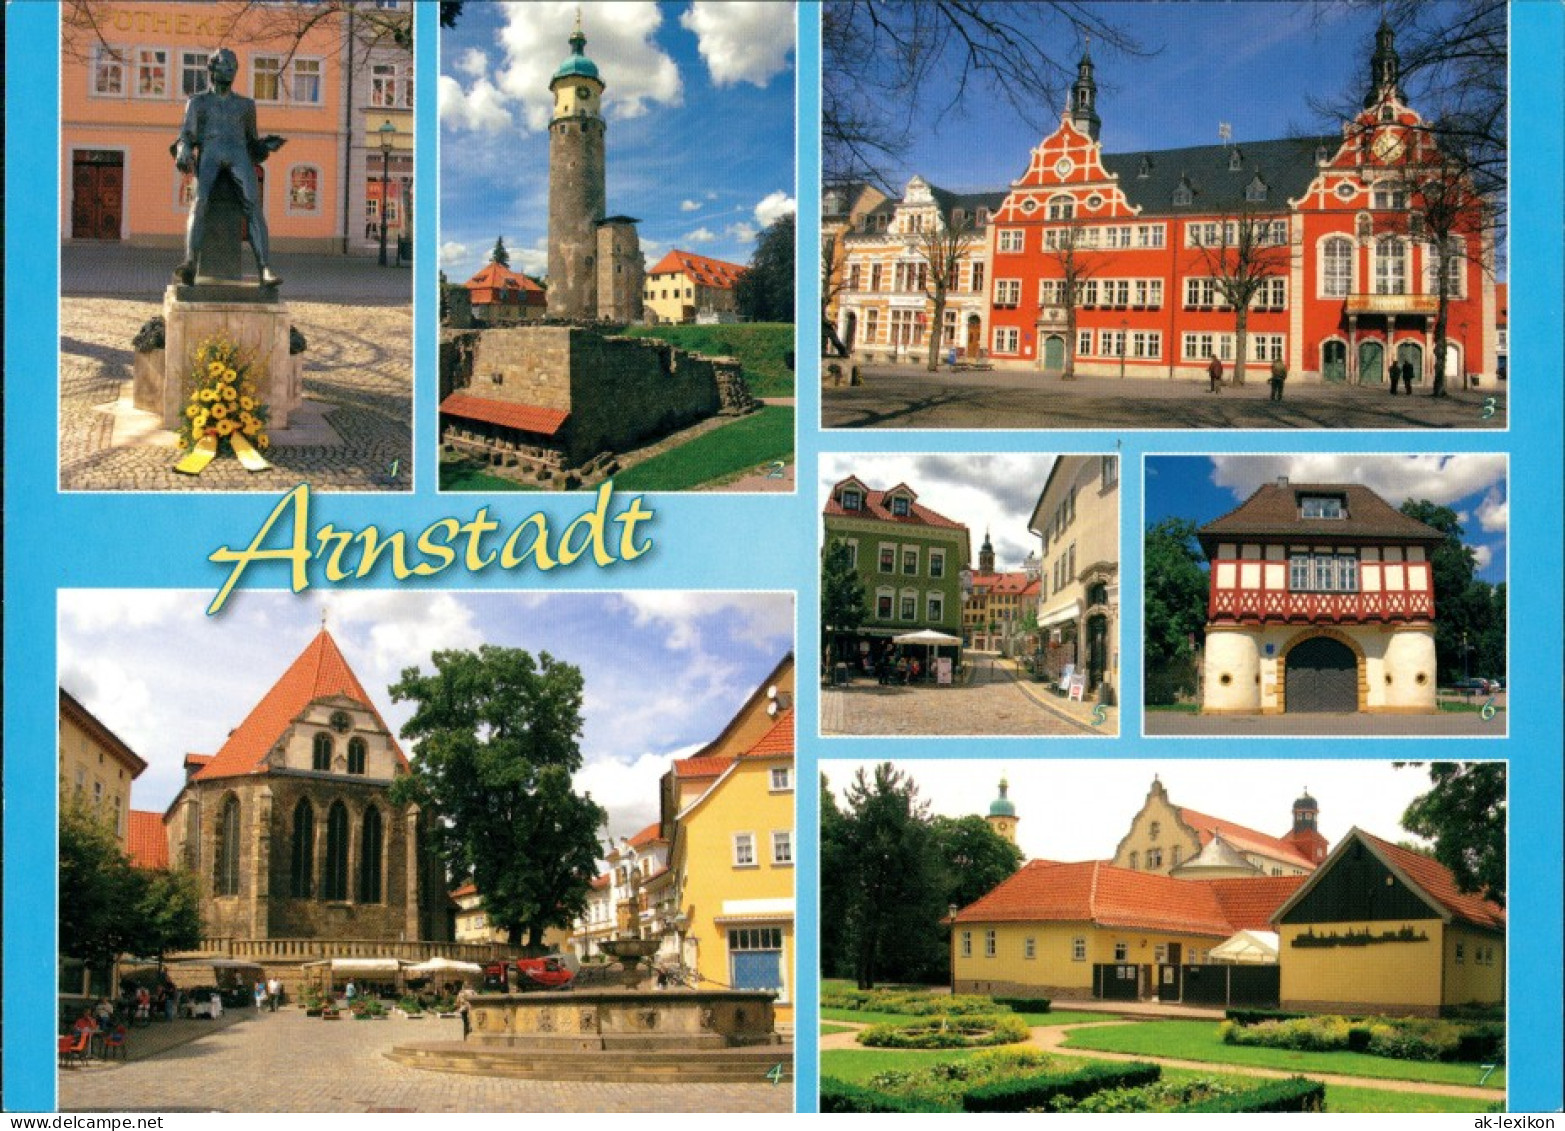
1076	519
96	766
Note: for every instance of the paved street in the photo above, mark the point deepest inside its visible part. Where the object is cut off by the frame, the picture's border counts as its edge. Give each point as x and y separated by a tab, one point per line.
358	377
1329	725
288	1062
911	397
994	703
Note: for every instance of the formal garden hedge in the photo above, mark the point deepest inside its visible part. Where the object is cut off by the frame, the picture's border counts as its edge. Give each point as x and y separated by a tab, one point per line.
959	1032
1024	1004
839	1097
1399	1038
1030	1093
913	1003
1294	1094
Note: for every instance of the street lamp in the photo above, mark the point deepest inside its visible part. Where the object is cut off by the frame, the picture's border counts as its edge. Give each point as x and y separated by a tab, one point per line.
387	132
1123	323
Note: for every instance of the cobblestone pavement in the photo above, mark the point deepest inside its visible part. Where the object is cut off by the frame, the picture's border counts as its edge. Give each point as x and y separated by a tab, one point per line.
994	703
120	271
359	365
1329	724
902	397
285	1061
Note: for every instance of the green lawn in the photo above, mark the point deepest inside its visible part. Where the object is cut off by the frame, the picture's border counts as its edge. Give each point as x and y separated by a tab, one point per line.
749	444
1198	1040
858	1065
469	475
831	1030
760	347
1174	708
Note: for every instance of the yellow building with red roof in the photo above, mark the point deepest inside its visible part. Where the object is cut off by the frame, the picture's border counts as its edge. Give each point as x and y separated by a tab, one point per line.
96	766
683	284
729	813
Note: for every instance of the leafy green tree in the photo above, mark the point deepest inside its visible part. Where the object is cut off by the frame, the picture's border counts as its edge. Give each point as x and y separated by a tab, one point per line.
1464	815
1461	607
496	738
168	913
499	254
764	292
98	889
974	859
1176	597
842	596
836	961
890	877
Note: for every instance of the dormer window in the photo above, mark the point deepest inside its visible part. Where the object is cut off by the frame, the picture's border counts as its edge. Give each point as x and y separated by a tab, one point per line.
1322	506
1256	191
1184	194
1235	161
901	506
852	500
1145	170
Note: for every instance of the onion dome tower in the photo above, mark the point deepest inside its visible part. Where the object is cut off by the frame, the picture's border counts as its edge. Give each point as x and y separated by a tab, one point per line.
1002	814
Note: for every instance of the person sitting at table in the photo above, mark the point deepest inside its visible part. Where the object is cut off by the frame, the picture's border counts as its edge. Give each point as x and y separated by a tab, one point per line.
902	669
86	1023
915	669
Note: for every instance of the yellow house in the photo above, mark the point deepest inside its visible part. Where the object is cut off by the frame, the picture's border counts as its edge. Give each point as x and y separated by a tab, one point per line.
1176	840
96	767
1382	928
732	850
683	284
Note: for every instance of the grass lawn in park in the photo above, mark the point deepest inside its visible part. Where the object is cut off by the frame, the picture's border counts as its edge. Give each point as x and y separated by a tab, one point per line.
747	445
760	347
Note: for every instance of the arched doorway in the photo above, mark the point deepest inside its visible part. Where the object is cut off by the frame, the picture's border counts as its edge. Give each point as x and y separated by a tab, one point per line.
1412	351
1372	363
1054	353
975	339
1334	361
1322	675
1097	650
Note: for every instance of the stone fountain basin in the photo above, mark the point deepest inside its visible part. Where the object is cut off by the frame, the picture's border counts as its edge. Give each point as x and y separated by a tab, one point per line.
589	1020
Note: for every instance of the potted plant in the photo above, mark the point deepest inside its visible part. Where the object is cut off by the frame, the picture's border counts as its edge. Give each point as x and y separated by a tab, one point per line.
312	1002
410	1006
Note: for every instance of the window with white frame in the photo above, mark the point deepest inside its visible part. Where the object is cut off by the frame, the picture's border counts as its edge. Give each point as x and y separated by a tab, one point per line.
304	82
1197	346
989	943
782	779
853	276
872	325
1149	235
1087	292
1079	949
1146	344
1389	196
1390	267
909	609
1267	347
937	563
976	278
744	850
1111	343
108	70
967	944
193	76
935	604
1109	475
266	78
1006	339
1321	506
876	275
909	562
391	85
1116	292
1149	292
151	72
900	505
1272	294
1121	952
888	558
852	499
1029	947
782	846
1061	207
1337	267
883	600
1083	343
1007	292
1010	239
1200	291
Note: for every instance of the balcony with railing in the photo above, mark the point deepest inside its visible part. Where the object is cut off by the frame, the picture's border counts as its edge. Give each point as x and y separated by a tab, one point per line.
1426	305
1282	607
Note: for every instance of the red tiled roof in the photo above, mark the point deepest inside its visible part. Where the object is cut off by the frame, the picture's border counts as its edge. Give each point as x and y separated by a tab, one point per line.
1249	902
649	835
320	672
466	889
702	269
1244	839
777	742
146	841
699	767
197	760
875	507
499	282
1093	891
528	418
1437	882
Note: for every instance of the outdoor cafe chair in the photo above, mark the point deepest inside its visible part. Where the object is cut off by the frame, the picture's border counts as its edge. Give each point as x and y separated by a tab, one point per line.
73	1049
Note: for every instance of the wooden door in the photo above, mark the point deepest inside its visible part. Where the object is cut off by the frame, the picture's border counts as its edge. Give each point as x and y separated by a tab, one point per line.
97	194
1372	363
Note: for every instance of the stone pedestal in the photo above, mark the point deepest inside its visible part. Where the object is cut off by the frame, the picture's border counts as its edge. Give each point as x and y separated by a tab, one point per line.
251	316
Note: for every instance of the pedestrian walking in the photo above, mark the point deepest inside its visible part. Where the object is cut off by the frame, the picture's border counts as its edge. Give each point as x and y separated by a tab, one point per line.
352	992
274	993
464	1006
1214	373
1407	375
1278	378
260	995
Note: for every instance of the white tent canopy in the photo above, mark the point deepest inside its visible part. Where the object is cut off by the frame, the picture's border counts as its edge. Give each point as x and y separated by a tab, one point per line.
926	636
359	965
439	965
1247	947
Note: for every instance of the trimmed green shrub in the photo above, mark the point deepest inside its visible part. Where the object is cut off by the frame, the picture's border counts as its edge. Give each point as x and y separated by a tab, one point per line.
948	1033
1165	1095
942	1082
1302	1034
1415	1038
1482	1043
1294	1094
1030	1093
839	1097
1256	1016
1359	1038
1024	1004
913	1003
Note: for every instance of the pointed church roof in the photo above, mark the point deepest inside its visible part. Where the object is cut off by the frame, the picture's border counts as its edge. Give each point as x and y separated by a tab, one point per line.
320	672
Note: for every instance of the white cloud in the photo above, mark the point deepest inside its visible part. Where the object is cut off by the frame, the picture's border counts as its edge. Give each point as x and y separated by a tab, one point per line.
453	254
637	74
1494	513
773	207
690	206
741	42
1483	557
532	260
742	232
700	235
473	63
99	610
1442	479
479	107
629	791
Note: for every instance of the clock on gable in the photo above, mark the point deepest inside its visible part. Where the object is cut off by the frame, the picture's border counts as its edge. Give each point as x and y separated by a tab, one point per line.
1388	146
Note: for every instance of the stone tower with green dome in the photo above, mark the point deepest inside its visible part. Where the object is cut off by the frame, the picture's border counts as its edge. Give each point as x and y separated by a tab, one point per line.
1002	814
576	183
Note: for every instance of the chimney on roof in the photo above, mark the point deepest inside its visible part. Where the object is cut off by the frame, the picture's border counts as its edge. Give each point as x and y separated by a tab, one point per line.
1282	481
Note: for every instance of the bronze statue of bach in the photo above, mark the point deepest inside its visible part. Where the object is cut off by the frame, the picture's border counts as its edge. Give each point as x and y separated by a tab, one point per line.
219	136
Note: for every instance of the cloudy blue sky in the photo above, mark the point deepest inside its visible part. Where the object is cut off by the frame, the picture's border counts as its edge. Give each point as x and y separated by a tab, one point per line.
1079	810
993	492
1473	485
700	107
664	671
1253	65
